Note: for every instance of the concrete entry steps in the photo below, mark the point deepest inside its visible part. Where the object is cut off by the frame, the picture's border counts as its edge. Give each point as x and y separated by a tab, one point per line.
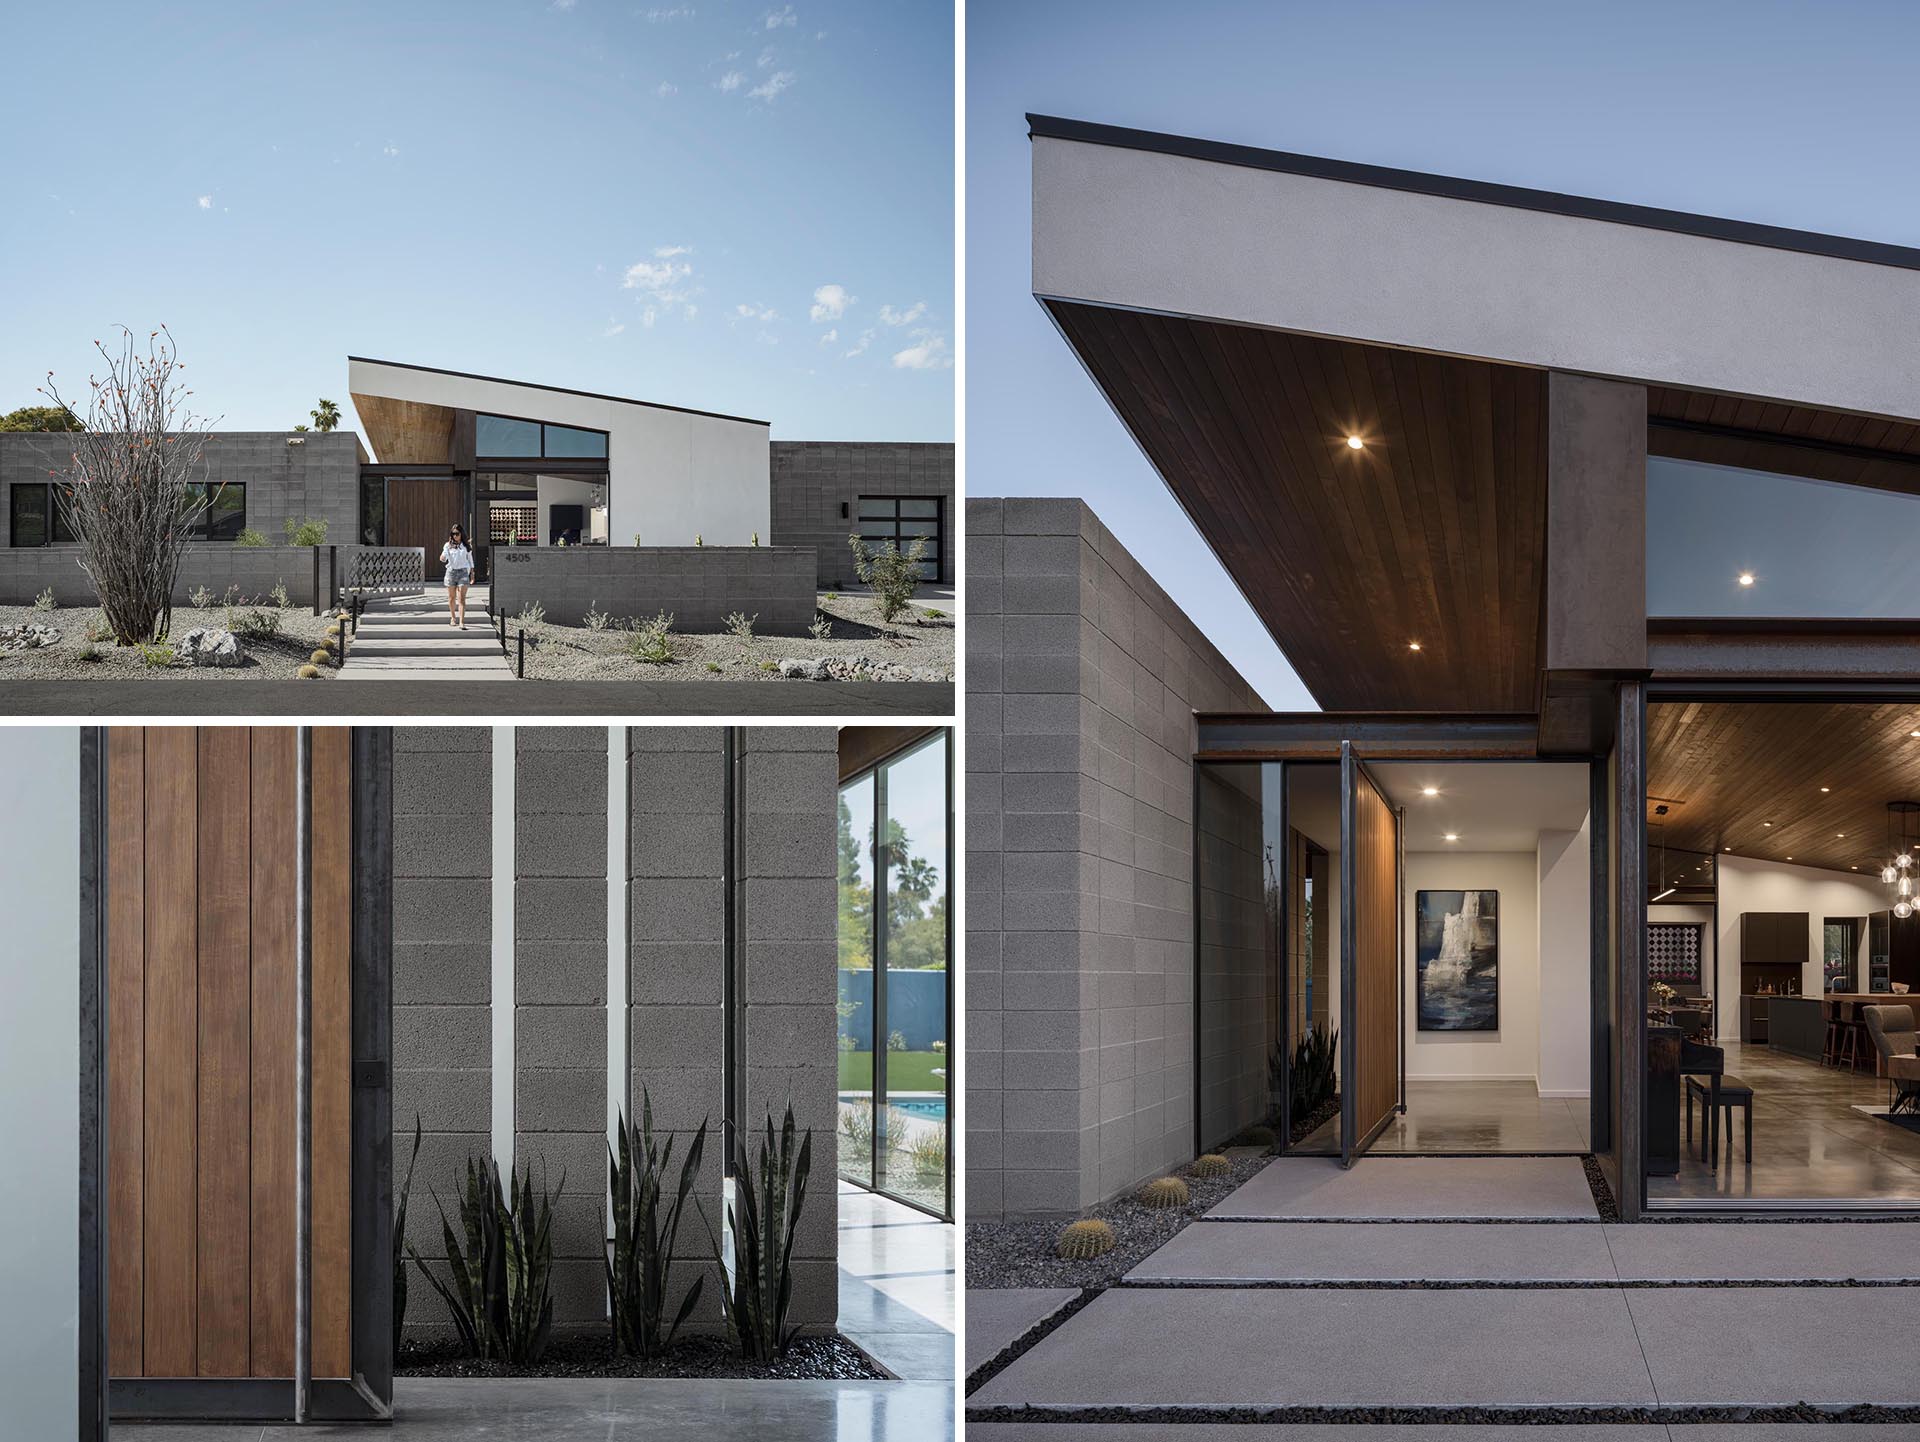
1554	1348
407	638
1415	1189
1304	1253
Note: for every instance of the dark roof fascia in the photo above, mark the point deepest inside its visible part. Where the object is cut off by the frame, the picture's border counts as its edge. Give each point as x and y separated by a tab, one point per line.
1743	232
558	390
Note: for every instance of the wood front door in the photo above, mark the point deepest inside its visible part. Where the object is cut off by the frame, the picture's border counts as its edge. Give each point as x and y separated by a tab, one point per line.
421	510
1370	959
201	987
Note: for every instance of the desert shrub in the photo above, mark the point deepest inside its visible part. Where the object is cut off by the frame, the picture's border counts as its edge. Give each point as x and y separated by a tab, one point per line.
740	625
928	1151
713	665
896	1041
769	666
250	538
89	653
44	601
98	629
821	628
532	614
156	654
893	574
651	640
596	619
306	532
279	595
254	625
856	1125
201	598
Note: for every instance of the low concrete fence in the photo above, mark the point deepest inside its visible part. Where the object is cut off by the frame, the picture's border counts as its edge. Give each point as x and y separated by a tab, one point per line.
699	585
251	570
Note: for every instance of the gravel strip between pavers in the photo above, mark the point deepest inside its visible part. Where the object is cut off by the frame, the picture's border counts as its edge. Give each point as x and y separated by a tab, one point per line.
1021	1253
917	641
591	1354
279	657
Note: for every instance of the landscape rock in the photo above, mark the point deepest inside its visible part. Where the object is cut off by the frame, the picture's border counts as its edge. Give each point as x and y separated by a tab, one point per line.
814	670
28	636
210	646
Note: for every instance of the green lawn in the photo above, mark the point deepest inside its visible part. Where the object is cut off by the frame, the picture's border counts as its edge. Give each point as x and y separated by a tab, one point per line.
907	1071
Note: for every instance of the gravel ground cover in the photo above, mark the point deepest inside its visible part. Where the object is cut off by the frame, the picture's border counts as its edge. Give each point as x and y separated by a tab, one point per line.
591	1354
65	660
1021	1253
918	646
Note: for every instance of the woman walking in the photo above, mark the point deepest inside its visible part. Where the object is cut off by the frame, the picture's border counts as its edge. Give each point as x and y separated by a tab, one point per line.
457	557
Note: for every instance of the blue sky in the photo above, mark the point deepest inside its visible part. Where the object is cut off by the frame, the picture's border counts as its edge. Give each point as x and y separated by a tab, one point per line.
740	207
1794	114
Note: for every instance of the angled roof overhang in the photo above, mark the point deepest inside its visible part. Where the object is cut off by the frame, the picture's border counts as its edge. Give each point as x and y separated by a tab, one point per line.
1245	311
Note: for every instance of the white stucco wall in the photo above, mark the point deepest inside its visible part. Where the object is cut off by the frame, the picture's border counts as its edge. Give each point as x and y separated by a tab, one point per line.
1564	881
1512	1053
672	474
40	1081
1166	233
1747	885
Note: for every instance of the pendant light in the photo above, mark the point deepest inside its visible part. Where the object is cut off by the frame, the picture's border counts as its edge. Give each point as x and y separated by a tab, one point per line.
1898	873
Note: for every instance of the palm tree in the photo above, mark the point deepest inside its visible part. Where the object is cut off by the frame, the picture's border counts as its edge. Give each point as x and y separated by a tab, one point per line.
326	415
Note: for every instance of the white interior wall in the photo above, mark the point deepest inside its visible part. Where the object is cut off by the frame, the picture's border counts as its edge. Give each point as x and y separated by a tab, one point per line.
1749	885
40	1076
551	491
1513	1052
1564	882
1726	1019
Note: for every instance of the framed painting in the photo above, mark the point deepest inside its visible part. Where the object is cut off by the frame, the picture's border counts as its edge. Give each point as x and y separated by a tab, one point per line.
1457	960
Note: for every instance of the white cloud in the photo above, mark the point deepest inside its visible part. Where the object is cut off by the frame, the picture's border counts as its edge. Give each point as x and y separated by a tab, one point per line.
647	317
731	82
784	16
831	336
756	312
766	59
678	12
389	149
866	339
772	85
890	316
666	88
830	302
665	282
206	202
563	5
613	329
929	354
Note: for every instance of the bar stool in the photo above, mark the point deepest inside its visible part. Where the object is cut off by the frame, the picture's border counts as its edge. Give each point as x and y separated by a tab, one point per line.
1853	1037
1830	1014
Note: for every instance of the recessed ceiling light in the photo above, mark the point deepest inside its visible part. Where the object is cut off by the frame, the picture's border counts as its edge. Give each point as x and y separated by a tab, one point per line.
1429	790
1789	858
1746	578
1453	836
1826	788
1913	733
1354	443
1726	848
1841	834
1766	823
1415	646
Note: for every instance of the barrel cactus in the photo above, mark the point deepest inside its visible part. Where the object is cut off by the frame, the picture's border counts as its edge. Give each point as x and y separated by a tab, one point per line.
1210	1165
1257	1137
321	656
1164	1193
1081	1241
309	673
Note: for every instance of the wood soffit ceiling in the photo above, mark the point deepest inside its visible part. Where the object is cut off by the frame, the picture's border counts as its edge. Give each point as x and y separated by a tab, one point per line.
1724	769
1434	532
407	433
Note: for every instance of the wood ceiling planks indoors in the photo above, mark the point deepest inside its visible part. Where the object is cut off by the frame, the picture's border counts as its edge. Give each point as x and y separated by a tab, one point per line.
1725	769
1434	532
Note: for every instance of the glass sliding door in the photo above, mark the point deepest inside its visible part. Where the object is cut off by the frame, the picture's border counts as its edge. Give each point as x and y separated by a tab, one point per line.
896	992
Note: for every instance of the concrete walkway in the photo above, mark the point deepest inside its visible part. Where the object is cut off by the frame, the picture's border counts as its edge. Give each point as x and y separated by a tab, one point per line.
407	638
1432	1285
897	1285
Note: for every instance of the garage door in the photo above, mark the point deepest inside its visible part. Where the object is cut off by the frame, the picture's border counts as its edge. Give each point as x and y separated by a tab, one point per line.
901	518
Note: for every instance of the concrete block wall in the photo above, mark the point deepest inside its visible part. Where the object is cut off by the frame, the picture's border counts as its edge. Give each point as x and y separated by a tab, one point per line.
813	481
676	783
789	874
698	585
252	570
1082	680
560	996
442	975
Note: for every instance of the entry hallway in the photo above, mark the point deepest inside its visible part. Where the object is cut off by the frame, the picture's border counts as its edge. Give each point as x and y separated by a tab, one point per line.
1438	1284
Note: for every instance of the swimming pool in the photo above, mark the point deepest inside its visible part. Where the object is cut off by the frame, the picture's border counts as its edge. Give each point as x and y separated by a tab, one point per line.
926	1107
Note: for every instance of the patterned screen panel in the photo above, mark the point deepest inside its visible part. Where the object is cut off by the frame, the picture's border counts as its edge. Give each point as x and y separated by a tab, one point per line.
1673	952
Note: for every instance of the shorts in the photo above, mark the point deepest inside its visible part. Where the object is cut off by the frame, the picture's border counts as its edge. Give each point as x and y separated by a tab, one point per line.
458	577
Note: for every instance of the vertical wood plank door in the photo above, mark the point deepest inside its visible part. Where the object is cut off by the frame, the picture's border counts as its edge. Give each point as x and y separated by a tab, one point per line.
201	891
420	512
1376	941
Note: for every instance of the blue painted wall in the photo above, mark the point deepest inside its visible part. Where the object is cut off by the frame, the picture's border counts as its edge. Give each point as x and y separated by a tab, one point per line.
916	1007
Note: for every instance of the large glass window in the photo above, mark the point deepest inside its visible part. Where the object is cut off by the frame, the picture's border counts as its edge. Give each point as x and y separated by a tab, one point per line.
218	508
895	977
1727	542
902	520
35	516
505	436
373	510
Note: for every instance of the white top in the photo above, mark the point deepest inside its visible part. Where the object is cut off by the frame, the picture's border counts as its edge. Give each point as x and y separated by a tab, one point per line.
457	558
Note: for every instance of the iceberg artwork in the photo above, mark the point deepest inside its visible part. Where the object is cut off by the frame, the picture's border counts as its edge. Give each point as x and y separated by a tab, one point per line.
1456	950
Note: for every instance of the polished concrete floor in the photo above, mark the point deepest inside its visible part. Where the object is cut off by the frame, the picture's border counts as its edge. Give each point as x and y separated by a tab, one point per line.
1473	1118
1809	1142
897	1285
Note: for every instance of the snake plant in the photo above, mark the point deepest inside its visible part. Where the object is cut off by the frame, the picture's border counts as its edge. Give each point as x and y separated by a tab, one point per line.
770	1190
499	1266
400	1243
639	1270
